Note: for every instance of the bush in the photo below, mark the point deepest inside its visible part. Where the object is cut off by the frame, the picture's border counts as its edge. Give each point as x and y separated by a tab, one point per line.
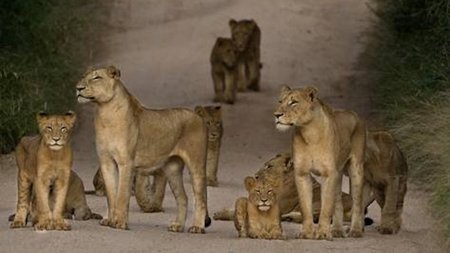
41	56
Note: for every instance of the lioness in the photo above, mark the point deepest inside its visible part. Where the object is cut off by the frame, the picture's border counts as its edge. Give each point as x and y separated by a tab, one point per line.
75	206
258	216
224	70
325	140
44	163
386	171
246	37
130	136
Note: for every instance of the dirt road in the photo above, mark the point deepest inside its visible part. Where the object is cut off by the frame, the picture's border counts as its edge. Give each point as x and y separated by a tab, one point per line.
162	48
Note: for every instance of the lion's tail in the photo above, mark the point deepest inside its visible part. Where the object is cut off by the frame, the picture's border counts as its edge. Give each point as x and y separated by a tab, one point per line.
224	214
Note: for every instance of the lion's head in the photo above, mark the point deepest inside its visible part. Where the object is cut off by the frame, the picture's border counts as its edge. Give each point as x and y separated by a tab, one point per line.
296	107
241	32
56	129
98	85
212	116
277	169
225	51
261	193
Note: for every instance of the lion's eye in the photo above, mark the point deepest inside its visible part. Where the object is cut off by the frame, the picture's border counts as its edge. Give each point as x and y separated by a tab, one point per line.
258	192
269	192
293	103
63	129
48	129
97	78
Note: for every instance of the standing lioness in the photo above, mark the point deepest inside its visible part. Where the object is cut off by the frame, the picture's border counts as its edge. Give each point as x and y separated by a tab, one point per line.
325	141
130	136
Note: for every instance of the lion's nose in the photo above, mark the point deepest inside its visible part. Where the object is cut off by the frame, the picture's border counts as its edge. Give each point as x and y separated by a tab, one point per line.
56	138
278	114
80	88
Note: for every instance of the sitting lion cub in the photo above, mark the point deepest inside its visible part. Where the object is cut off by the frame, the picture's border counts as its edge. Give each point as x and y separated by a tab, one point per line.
45	163
258	216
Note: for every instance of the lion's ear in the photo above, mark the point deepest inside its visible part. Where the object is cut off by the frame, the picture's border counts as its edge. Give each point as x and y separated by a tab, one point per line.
200	110
218	111
285	88
70	117
311	92
113	72
41	116
232	23
249	183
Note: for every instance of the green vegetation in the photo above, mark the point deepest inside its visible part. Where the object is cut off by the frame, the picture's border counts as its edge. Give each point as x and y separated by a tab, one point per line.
412	58
43	51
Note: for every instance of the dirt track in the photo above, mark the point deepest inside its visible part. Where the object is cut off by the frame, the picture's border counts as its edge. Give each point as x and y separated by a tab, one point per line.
162	48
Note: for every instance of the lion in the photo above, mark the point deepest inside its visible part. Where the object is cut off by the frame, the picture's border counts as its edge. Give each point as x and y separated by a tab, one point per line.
224	70
150	195
75	205
246	37
280	170
324	142
131	137
258	216
44	162
386	172
212	115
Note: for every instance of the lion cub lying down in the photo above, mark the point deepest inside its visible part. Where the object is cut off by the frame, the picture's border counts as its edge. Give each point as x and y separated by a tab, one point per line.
258	216
44	163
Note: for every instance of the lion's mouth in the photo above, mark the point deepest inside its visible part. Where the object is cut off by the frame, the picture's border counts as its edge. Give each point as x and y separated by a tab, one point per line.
283	126
263	207
55	146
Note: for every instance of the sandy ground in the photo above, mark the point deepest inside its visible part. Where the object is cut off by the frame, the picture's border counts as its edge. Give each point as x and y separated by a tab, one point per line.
162	48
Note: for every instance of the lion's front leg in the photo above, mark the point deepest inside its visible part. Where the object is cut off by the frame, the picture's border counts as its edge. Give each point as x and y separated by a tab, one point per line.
60	191
338	216
109	172
327	203
120	214
43	219
241	217
24	188
174	173
241	81
304	188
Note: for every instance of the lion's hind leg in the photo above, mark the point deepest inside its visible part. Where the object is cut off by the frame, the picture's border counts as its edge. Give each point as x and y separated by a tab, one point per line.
174	173
389	223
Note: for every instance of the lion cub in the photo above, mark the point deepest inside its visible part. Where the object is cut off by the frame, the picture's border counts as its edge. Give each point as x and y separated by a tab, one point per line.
224	70
246	37
44	163
258	216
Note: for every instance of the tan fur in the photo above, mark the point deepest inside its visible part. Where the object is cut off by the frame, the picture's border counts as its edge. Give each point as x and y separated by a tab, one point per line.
136	138
246	37
386	172
325	140
44	164
212	116
224	70
258	216
280	170
99	184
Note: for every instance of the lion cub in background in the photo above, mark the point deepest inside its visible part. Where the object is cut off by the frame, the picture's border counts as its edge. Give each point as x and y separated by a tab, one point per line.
44	163
258	216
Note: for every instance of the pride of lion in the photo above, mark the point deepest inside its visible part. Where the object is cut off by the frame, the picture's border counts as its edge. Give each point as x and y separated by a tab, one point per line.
140	150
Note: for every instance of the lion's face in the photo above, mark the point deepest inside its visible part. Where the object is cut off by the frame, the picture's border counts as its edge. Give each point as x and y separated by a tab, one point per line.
277	168
56	129
241	32
295	108
262	193
212	116
97	85
226	51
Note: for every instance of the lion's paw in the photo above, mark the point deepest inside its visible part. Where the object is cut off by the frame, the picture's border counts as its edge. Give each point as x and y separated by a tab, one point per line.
18	224
45	224
61	225
196	230
338	233
355	233
323	234
176	227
